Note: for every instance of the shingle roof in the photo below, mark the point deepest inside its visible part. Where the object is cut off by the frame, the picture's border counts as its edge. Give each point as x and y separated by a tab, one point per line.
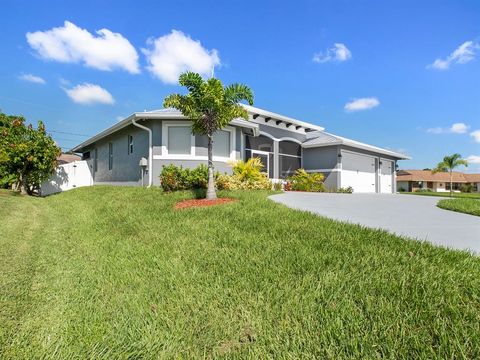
67	158
427	175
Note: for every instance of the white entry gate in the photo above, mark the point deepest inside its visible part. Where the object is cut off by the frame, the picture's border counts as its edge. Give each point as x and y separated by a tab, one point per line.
67	177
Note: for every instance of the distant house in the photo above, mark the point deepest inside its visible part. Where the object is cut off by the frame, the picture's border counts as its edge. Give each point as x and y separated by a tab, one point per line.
67	158
414	180
133	151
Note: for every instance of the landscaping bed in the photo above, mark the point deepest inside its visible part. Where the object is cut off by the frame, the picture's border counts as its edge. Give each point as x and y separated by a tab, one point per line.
116	272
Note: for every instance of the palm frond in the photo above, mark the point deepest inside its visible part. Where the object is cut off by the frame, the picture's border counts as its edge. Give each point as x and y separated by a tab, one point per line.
236	93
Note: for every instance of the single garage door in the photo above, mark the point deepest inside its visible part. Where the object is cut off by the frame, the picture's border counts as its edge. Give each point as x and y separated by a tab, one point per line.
386	176
358	171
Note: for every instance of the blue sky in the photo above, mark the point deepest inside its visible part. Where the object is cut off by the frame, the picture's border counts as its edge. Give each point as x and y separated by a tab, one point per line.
409	69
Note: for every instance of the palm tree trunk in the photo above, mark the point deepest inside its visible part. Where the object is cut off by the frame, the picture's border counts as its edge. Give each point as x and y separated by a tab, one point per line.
451	183
211	194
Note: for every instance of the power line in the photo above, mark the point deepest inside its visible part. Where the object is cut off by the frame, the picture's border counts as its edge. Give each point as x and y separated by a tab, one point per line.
68	133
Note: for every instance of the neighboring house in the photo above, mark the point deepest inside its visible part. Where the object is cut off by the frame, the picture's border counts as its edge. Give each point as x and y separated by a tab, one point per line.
67	158
414	180
133	151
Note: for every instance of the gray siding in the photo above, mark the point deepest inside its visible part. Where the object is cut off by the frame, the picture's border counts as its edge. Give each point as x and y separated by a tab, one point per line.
371	153
221	167
125	167
280	133
320	158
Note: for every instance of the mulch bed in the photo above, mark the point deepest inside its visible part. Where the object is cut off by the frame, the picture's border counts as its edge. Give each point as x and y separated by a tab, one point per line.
194	203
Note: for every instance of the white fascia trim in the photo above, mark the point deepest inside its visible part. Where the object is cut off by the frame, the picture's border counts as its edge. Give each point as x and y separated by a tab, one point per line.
361	146
266	113
285	138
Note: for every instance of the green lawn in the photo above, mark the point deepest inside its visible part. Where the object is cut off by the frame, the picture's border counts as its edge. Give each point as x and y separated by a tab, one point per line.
467	206
112	272
475	195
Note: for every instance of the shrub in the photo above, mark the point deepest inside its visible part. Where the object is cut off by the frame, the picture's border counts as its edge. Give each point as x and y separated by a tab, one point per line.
423	190
278	186
345	190
247	175
248	170
402	190
466	188
174	178
303	181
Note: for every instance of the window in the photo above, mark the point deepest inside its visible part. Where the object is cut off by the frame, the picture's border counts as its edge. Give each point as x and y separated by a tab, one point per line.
221	143
95	160
261	142
179	140
110	156
130	144
289	158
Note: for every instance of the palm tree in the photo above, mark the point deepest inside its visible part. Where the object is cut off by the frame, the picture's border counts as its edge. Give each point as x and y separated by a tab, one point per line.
210	106
448	164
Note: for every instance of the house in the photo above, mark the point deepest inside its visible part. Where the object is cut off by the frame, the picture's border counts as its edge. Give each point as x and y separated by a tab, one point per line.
67	158
414	180
133	151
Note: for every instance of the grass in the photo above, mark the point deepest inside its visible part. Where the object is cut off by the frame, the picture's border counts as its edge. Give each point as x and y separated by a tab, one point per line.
445	194
112	272
467	206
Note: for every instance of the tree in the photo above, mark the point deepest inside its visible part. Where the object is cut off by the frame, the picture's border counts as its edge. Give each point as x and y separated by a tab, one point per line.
210	106
27	155
448	164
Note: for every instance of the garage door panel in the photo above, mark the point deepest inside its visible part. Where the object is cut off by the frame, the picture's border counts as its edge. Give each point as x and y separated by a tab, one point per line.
358	171
386	176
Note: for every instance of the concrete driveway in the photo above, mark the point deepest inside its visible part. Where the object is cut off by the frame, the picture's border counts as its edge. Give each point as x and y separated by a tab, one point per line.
417	217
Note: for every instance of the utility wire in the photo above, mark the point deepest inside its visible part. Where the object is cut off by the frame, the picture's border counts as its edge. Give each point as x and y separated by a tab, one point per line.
68	133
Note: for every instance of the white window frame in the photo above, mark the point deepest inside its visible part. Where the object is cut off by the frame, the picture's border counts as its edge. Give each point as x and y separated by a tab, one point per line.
165	126
192	155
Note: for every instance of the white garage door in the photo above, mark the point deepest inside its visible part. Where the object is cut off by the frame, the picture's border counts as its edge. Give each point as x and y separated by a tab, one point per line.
358	171
386	176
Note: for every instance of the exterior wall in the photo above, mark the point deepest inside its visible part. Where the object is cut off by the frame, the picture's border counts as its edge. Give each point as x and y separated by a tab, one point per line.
281	133
125	167
321	158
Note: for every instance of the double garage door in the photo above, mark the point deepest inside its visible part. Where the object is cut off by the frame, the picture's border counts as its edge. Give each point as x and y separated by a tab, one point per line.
360	172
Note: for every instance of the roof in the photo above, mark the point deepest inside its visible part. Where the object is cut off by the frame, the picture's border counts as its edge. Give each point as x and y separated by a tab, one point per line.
168	113
288	121
427	175
67	158
322	138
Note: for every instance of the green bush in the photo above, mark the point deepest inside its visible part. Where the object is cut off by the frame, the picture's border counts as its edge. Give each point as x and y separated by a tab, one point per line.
174	178
278	186
303	181
466	188
423	190
345	190
247	175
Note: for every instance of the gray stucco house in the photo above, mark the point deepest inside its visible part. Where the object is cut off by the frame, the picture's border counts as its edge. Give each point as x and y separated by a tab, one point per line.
133	151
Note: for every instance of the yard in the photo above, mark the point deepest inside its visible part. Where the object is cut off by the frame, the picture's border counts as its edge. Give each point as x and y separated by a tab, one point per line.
474	195
112	272
467	206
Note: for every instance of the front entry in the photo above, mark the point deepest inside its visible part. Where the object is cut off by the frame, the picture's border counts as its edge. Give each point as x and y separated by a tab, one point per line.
264	158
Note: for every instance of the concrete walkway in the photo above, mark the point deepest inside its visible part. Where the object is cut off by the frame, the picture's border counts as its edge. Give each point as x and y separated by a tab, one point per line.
417	217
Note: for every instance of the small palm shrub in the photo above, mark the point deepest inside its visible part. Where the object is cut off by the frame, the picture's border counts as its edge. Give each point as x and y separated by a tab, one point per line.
248	170
303	181
174	178
466	188
247	175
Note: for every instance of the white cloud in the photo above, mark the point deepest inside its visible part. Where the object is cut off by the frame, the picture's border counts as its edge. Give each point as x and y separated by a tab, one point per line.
456	128
32	78
361	104
462	55
473	159
88	94
71	44
476	135
339	52
174	53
